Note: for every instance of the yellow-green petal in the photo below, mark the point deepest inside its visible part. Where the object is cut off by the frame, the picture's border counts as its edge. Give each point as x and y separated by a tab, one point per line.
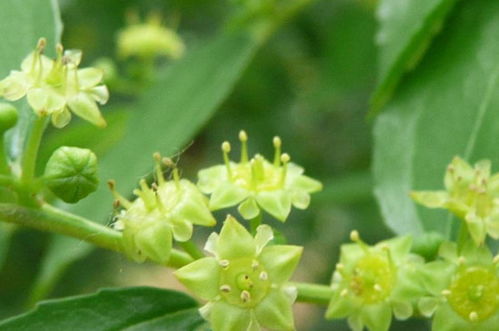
275	311
280	261
201	277
235	241
226	317
248	208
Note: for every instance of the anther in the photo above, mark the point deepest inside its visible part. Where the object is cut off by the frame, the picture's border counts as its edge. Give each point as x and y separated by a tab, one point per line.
473	316
340	267
263	275
446	292
344	293
243	137
461	260
118	197
254	264
496	259
378	288
224	263
225	288
42	42
277	151
245	296
285	158
159	170
354	236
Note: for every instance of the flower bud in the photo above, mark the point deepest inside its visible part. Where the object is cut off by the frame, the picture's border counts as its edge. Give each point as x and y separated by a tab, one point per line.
71	173
8	117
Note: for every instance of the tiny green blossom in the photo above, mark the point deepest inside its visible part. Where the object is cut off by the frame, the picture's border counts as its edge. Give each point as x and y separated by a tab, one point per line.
245	281
472	194
161	213
57	87
463	289
372	282
257	183
149	40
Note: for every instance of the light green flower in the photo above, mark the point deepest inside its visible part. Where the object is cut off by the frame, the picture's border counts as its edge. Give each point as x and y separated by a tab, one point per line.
244	282
372	282
257	183
463	290
161	213
149	40
472	194
57	87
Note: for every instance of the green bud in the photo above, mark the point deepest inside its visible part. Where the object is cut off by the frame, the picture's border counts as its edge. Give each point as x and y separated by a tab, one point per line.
71	173
8	116
427	245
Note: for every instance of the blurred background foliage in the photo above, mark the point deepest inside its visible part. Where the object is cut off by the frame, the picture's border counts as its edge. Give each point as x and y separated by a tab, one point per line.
310	83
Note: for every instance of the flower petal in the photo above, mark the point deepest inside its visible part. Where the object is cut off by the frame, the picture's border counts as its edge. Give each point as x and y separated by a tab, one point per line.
227	195
264	234
377	317
280	261
86	108
248	209
155	242
431	199
211	178
276	203
182	230
61	119
235	241
339	307
89	77
100	94
201	277
226	317
307	184
275	311
300	199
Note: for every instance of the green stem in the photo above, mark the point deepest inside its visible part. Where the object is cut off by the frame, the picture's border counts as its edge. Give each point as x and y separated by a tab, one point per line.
313	293
463	236
192	249
31	150
4	166
49	218
255	223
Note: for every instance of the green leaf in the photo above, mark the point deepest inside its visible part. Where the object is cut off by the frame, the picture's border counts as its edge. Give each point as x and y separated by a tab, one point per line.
134	308
447	108
407	28
22	23
165	119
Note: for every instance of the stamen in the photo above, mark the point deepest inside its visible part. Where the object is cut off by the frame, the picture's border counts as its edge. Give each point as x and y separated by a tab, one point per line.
243	137
225	288
461	260
285	158
344	293
354	236
224	263
146	194
176	177
263	276
122	200
226	151
159	170
277	151
40	46
446	293
245	296
254	264
378	288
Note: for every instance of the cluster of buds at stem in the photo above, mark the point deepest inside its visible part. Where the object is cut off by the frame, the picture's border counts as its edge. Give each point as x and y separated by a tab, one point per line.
56	87
256	183
163	211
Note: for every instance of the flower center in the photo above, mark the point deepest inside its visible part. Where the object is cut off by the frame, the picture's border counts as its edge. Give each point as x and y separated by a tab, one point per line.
474	293
373	279
244	282
258	175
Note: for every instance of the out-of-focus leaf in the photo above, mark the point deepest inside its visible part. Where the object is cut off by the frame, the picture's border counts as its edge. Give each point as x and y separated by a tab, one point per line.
135	308
22	23
165	119
406	29
448	107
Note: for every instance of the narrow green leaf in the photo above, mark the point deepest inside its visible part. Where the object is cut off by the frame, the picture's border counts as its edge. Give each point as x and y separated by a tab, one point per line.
406	30
134	308
447	108
22	23
164	120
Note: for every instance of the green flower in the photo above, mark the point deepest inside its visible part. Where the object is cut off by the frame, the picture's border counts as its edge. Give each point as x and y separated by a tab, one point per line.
463	290
57	87
372	282
257	184
161	213
149	40
244	282
471	194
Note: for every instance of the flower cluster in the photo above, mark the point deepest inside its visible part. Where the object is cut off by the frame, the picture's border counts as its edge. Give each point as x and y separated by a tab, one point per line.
372	282
165	211
257	183
56	87
149	40
472	194
462	289
244	280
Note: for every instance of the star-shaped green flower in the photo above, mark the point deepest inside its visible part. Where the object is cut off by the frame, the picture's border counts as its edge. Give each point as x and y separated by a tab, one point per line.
472	194
372	282
57	87
463	289
245	281
257	183
160	214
